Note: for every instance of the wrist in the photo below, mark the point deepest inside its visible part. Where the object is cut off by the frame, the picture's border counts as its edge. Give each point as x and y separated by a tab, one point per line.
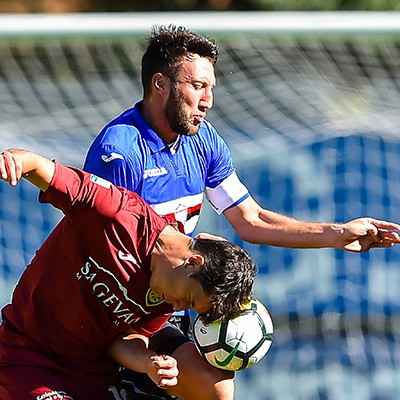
335	234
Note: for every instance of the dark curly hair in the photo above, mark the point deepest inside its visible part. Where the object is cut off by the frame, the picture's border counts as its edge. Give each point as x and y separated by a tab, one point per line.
167	45
227	277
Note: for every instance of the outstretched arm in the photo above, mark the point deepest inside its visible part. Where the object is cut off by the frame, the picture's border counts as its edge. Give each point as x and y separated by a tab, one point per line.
16	164
130	350
257	225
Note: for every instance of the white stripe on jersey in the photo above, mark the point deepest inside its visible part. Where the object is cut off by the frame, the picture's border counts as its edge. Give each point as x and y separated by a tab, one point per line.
226	193
181	209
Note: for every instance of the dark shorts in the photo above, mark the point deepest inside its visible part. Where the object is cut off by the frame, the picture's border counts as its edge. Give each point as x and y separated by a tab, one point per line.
174	333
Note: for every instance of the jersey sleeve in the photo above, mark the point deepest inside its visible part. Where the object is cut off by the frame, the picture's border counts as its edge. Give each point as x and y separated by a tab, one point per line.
73	190
229	193
112	162
150	324
223	187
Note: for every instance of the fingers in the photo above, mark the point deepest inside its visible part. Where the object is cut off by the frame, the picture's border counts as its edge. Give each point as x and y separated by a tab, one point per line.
389	236
10	167
386	225
382	245
166	371
379	231
372	231
386	233
3	170
366	241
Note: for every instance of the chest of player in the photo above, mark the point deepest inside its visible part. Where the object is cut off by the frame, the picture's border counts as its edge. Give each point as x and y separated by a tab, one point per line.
168	176
120	289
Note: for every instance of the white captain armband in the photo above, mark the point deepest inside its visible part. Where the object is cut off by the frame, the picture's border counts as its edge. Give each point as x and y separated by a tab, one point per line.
228	193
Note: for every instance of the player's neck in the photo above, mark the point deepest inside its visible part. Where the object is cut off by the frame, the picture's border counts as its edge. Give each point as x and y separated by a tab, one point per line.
171	249
171	240
154	116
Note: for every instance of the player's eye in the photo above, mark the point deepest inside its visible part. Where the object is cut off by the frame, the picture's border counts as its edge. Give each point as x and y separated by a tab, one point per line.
198	85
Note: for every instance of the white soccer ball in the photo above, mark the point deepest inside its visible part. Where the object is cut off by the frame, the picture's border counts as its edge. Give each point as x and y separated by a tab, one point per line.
240	342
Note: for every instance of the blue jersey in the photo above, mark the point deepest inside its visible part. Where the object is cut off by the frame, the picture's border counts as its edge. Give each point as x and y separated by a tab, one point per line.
130	154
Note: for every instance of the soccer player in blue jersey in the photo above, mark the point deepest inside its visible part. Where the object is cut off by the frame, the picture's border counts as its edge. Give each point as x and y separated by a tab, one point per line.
165	150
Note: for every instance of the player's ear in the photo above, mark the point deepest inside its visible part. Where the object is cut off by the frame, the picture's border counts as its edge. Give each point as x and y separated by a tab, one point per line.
160	82
195	260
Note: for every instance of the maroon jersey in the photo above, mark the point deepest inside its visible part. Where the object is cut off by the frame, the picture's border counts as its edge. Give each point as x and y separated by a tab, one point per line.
88	281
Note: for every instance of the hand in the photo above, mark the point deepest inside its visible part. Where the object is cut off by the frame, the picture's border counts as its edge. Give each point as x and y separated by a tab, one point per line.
163	371
10	167
209	236
363	234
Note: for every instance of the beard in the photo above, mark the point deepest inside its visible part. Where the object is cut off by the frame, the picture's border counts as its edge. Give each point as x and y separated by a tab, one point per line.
176	117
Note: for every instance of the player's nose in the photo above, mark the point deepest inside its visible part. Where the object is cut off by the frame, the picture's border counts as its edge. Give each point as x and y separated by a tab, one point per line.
207	99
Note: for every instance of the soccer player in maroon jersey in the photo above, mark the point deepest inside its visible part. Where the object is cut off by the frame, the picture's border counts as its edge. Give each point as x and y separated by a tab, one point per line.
108	276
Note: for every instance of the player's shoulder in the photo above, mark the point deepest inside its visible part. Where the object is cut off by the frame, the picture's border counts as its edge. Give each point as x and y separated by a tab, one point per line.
210	139
121	129
207	128
207	133
121	136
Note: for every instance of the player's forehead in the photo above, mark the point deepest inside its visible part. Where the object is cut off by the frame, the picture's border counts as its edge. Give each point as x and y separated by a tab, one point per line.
195	67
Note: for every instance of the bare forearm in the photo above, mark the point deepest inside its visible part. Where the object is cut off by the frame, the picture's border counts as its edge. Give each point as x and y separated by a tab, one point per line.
131	353
130	350
260	226
278	230
16	164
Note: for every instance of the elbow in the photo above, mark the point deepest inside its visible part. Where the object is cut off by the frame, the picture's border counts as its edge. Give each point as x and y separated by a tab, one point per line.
247	237
248	232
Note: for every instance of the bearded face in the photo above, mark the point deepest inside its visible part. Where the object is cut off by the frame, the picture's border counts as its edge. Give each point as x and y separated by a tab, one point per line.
190	95
178	115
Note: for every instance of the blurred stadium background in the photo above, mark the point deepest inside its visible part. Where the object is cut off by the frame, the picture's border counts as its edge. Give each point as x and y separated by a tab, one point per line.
308	103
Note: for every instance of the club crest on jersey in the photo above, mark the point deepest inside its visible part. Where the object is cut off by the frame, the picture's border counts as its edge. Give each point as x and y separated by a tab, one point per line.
150	173
153	299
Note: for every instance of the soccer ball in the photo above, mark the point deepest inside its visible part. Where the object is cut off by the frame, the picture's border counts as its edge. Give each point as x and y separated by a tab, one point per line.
240	342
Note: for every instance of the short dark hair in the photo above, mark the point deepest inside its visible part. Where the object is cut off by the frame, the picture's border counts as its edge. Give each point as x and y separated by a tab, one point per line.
166	47
227	277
